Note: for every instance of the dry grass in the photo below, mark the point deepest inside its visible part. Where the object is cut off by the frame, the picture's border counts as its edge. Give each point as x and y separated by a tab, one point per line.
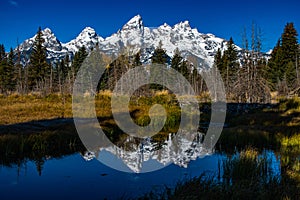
18	109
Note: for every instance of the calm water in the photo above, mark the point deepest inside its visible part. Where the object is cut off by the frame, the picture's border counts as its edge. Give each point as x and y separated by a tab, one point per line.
78	176
74	177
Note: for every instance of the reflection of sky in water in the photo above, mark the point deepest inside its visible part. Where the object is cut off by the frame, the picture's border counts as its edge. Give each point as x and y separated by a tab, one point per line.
73	177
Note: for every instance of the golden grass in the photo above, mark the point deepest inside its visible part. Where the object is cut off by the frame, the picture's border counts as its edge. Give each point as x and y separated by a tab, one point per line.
17	109
25	108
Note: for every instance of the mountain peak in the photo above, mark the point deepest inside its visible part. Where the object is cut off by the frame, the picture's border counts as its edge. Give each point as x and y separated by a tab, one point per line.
185	24
88	31
134	23
87	37
47	31
88	34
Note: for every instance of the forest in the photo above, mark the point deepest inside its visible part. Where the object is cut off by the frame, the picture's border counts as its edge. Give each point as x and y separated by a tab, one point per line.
249	75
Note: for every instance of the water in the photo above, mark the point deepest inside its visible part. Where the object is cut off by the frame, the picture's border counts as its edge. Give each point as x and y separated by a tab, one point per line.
73	175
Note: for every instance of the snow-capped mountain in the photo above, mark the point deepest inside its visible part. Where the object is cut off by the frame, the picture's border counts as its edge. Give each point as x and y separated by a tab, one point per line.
52	44
178	149
88	38
134	36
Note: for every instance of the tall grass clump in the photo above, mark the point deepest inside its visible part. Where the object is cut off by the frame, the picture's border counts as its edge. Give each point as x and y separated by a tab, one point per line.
289	104
247	167
247	175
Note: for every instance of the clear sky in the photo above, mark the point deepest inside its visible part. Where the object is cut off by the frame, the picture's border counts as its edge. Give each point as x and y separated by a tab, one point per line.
20	19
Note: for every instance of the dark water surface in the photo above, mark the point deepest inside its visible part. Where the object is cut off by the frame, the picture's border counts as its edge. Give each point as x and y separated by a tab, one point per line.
73	177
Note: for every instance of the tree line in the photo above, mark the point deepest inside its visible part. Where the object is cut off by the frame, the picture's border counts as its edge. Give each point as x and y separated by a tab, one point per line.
247	74
250	76
38	75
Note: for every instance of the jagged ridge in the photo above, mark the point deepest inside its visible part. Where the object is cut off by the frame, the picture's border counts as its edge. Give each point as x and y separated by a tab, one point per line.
135	36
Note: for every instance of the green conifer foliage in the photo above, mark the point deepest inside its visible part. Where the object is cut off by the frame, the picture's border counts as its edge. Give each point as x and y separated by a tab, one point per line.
38	69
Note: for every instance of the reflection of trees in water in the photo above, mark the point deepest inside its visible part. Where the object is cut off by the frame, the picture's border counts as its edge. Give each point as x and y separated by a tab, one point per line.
17	149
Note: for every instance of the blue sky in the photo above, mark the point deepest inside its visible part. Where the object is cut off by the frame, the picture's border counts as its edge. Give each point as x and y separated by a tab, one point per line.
20	19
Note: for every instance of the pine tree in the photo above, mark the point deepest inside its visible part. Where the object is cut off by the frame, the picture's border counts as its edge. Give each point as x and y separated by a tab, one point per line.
38	69
20	83
159	57
290	75
2	52
180	65
63	70
10	78
289	44
176	60
137	59
275	71
227	64
230	58
3	64
78	59
218	62
284	57
7	70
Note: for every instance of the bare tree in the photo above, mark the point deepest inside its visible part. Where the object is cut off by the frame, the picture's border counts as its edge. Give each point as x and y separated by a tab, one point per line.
251	86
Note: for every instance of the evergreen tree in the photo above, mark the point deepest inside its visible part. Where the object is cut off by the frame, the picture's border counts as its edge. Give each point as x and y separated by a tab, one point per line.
63	70
227	64
2	52
282	67
176	60
19	70
180	65
159	57
7	70
218	62
38	69
78	59
290	75
231	51
3	64
137	59
289	44
275	71
230	58
10	78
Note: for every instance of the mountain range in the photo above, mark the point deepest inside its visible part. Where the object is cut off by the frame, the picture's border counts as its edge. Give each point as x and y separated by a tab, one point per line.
179	149
133	36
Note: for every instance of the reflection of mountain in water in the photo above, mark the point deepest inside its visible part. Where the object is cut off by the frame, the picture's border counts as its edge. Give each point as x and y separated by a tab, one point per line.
179	149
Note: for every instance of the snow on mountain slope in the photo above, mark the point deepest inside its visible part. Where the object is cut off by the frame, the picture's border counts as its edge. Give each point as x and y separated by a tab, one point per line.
179	150
134	36
88	38
52	44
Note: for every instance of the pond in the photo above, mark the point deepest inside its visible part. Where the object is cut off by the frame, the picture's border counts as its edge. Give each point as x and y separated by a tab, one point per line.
80	175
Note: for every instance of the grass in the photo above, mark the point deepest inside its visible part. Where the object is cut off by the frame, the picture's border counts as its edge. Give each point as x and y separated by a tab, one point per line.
264	128
32	107
18	109
245	176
